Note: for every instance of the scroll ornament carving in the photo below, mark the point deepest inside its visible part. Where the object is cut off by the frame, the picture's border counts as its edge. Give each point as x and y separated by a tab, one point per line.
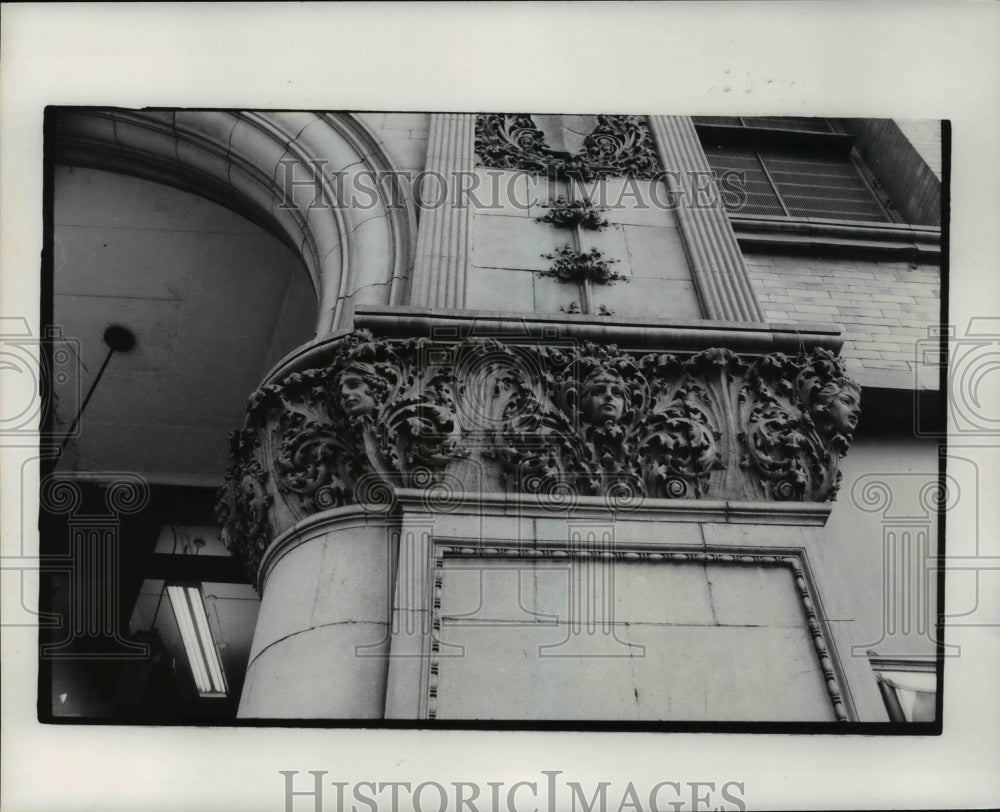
616	147
594	424
586	420
799	424
381	415
244	502
381	409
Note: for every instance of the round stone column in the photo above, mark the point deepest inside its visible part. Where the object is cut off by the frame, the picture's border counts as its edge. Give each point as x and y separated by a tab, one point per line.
320	650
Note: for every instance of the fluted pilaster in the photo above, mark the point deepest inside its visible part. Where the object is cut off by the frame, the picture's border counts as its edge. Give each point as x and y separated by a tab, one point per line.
443	237
717	265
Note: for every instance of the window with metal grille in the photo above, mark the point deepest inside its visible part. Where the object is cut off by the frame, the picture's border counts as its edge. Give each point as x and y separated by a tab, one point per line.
789	168
799	123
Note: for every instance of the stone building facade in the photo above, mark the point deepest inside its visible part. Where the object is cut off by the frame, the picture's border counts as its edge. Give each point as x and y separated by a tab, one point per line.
598	418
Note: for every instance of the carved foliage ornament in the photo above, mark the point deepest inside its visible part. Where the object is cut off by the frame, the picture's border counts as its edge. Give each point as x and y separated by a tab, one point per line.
613	146
596	424
382	414
243	505
586	420
799	419
570	265
580	213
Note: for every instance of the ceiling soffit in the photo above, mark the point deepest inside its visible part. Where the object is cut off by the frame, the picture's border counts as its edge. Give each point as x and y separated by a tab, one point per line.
279	169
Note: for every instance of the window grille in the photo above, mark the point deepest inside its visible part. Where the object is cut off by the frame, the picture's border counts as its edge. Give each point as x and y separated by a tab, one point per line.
799	170
797	123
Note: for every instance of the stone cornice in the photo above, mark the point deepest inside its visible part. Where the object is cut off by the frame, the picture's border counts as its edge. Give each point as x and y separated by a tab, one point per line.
630	335
305	530
634	335
402	501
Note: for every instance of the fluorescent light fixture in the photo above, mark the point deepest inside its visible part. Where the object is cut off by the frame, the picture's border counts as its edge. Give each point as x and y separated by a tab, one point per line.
206	667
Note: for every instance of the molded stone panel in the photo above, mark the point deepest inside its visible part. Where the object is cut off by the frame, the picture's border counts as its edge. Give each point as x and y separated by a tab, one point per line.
630	640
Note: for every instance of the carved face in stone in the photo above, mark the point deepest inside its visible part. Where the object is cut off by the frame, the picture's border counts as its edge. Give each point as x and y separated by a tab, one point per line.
603	398
842	405
356	396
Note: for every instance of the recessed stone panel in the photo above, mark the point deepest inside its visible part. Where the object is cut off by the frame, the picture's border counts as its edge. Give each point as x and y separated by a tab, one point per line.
747	595
625	639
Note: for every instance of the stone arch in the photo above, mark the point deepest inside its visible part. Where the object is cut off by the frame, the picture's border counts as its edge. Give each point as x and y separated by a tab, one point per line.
290	172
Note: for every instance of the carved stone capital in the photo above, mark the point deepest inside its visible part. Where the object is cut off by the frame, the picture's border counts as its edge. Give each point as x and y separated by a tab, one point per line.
556	422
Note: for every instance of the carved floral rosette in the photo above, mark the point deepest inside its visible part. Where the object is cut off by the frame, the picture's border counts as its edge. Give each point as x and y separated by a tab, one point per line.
557	422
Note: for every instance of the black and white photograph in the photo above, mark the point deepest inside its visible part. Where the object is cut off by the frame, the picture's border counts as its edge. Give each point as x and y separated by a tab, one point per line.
420	450
530	417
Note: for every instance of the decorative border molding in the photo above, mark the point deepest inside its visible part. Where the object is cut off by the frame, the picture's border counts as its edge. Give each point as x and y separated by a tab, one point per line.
880	663
795	560
798	514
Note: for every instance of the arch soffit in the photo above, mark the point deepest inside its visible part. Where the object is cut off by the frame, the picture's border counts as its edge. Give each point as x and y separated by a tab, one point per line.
289	172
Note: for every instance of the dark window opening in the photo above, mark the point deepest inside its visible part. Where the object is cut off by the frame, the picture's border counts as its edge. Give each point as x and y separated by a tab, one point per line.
790	168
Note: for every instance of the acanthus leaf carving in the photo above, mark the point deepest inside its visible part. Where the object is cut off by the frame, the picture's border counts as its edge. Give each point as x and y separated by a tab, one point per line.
556	421
799	418
579	213
242	508
618	146
592	423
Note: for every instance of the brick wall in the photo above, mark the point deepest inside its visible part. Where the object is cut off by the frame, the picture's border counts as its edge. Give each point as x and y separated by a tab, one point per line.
900	161
926	139
882	307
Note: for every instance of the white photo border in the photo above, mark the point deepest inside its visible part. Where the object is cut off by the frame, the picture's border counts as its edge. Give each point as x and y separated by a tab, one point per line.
888	59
